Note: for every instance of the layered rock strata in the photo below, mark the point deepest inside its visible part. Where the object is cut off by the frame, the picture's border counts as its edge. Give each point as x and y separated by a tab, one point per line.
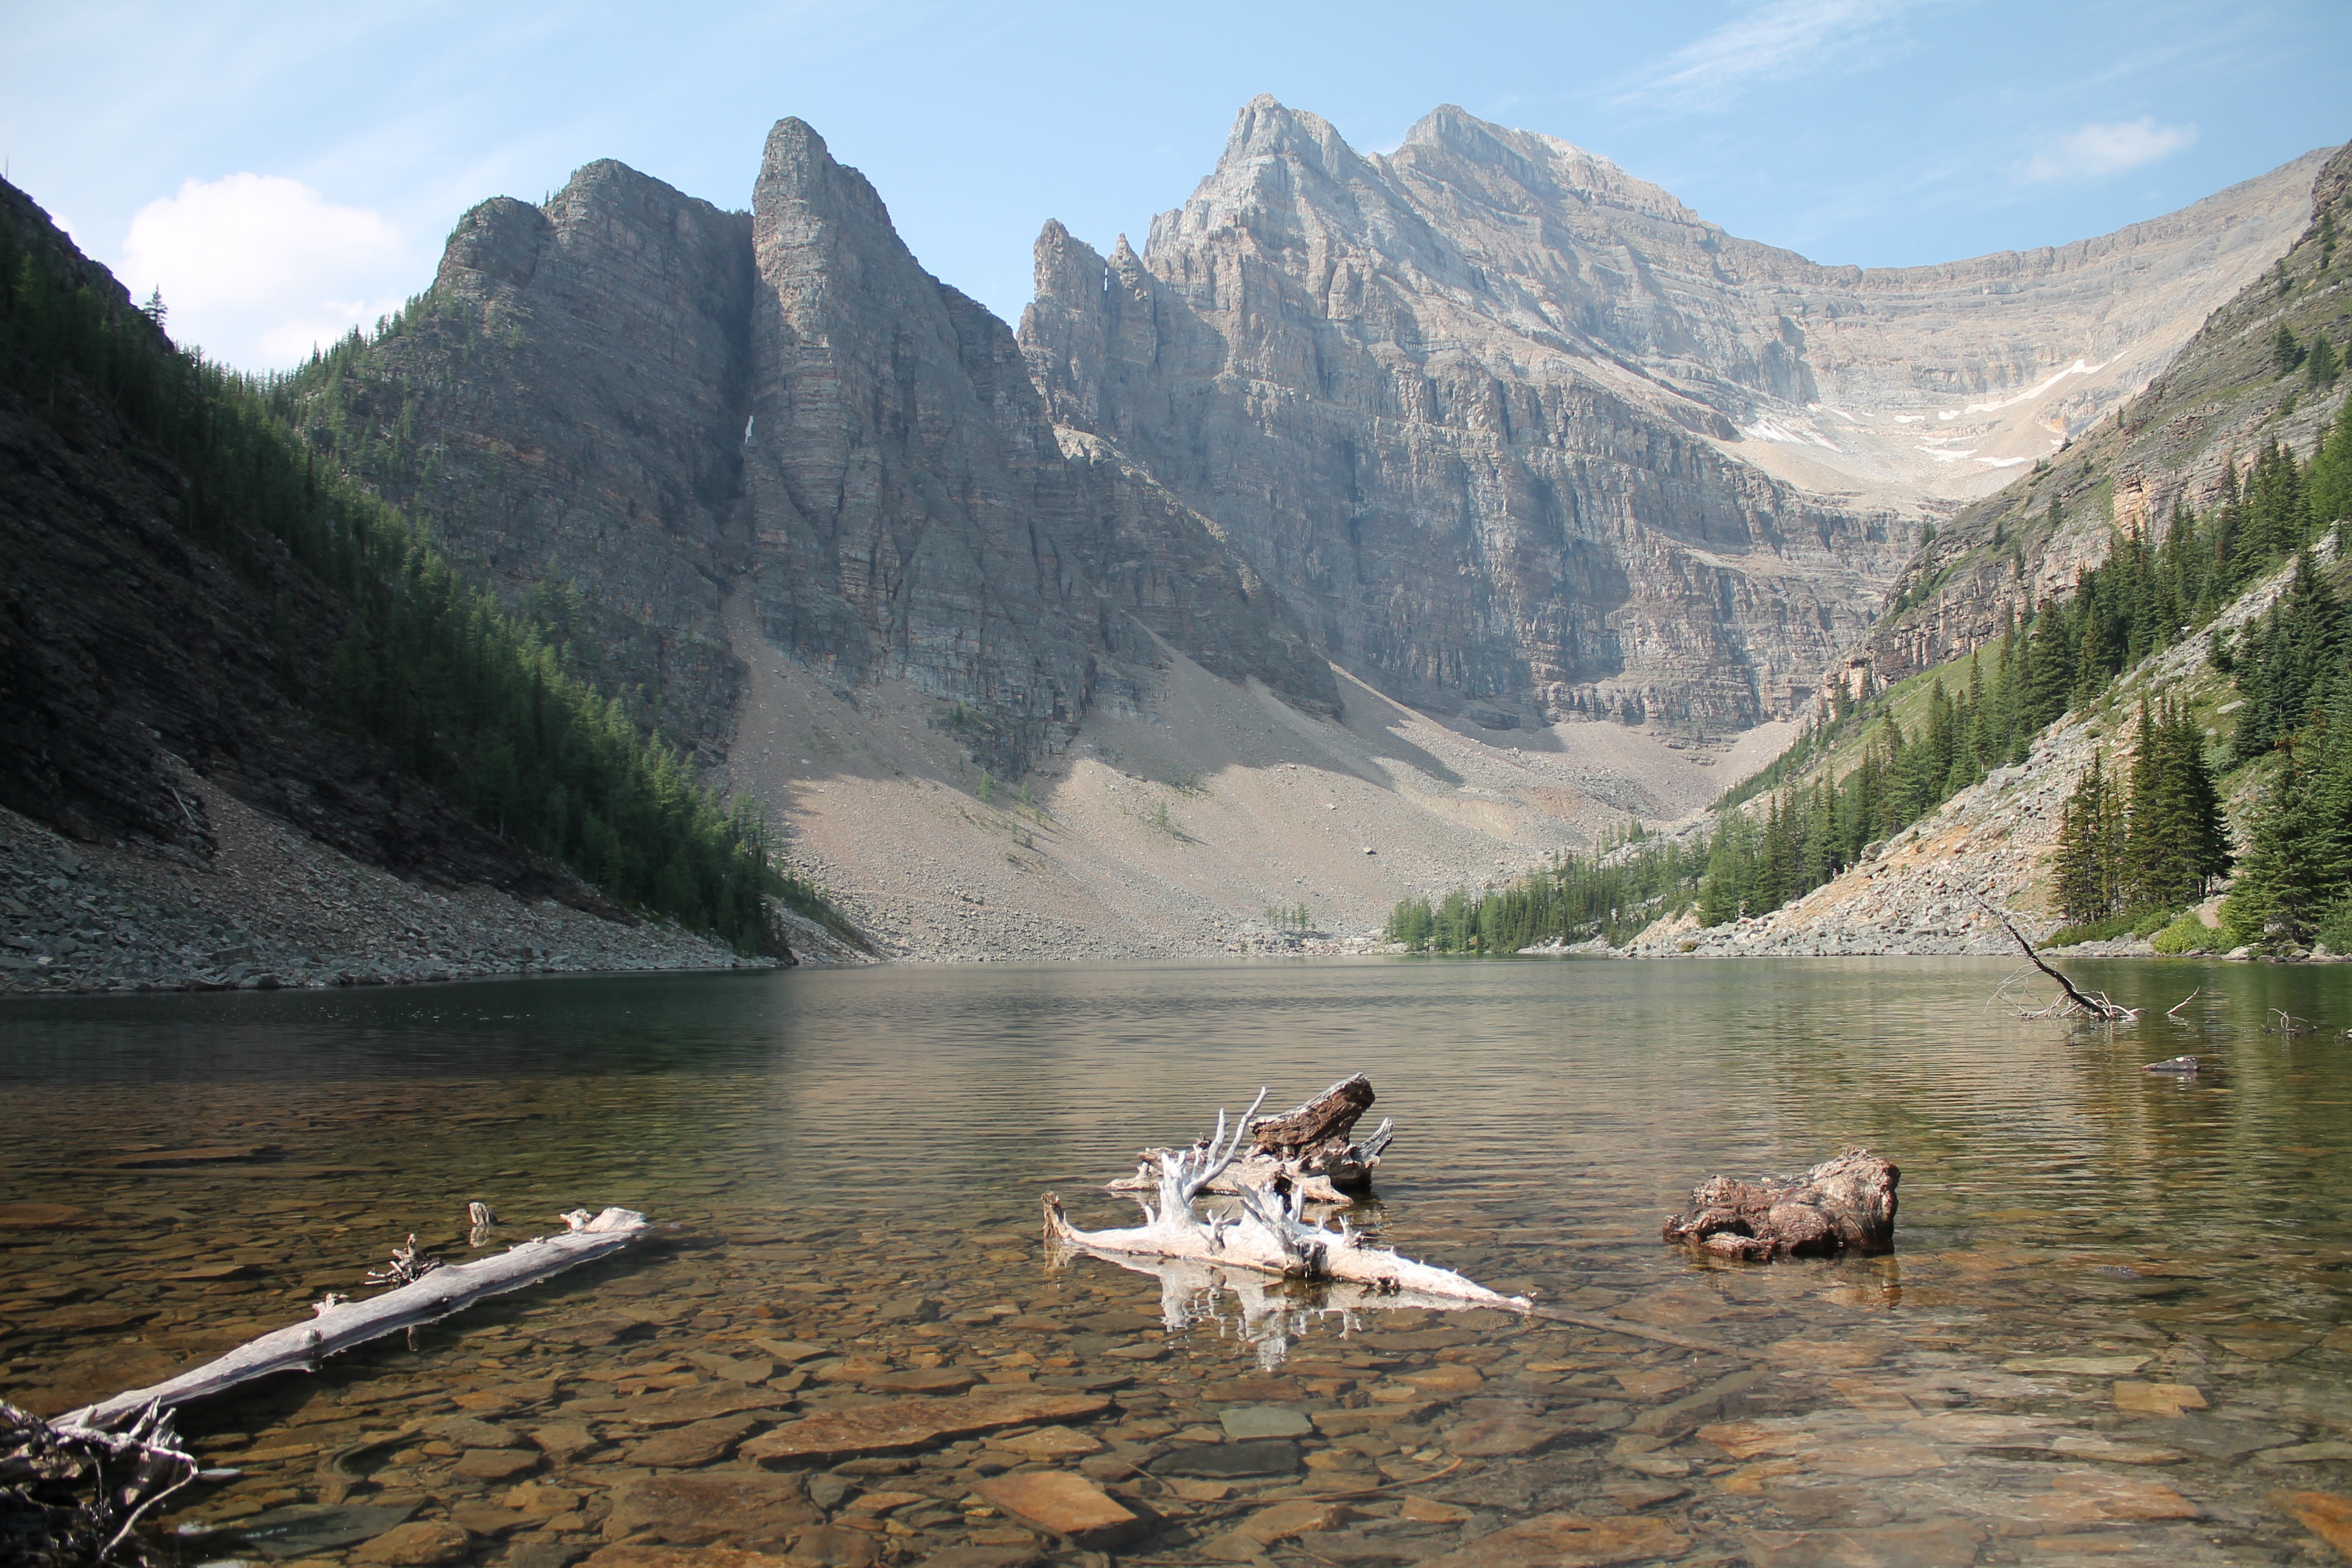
566	406
914	513
2183	442
1516	432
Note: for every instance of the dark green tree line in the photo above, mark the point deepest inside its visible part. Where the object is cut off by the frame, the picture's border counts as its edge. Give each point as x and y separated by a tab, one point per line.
468	695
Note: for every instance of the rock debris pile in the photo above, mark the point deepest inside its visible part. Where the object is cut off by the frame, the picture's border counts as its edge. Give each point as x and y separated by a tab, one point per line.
278	909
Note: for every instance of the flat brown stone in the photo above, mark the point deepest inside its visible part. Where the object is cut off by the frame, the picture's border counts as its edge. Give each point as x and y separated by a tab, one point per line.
984	1557
565	1440
496	1464
734	1369
38	1217
1446	1377
697	1443
426	1544
1251	1390
683	1557
1050	1443
1503	1436
825	1544
701	1403
924	1380
2325	1514
487	1519
714	1507
1345	1423
896	1424
1567	1541
1937	1544
1062	1504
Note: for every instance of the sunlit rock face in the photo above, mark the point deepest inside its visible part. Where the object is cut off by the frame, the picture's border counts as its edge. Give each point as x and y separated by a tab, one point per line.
1518	433
914	511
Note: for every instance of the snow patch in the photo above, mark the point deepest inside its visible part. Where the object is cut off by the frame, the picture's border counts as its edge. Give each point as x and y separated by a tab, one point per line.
2002	462
2077	368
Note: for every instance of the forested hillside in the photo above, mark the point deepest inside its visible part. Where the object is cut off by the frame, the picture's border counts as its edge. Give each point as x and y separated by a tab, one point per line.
307	620
2136	846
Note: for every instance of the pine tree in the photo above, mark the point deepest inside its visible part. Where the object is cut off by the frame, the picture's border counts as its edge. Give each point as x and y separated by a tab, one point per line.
2327	483
2322	364
2285	352
2085	859
2293	868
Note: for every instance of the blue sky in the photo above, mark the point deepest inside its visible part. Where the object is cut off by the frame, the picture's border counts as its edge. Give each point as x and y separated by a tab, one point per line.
281	171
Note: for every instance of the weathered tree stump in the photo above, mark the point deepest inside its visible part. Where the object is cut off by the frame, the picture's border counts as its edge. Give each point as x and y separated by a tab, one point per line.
1841	1205
1310	1150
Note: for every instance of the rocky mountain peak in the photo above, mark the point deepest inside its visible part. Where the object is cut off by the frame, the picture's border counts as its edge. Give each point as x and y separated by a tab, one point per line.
1541	171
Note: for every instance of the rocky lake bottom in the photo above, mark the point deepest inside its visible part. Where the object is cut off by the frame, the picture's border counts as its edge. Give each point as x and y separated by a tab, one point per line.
2115	1327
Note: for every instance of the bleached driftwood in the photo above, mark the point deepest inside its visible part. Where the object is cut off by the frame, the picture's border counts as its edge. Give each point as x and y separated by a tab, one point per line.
431	1292
1308	1150
1268	1236
1844	1204
1270	1239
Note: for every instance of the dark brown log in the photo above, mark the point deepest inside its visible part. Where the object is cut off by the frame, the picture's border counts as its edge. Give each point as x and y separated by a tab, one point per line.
1310	1150
1329	1117
1844	1204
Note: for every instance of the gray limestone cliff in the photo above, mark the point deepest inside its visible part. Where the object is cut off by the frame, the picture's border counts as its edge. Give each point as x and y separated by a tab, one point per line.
1485	421
565	405
914	513
1521	436
625	406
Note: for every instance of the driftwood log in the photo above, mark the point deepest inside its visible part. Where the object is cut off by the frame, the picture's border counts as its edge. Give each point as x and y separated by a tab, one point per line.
1310	1150
2073	1000
1842	1205
73	1490
1269	1239
430	1293
74	1496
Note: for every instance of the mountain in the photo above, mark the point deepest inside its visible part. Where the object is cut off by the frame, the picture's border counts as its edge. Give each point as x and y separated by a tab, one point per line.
654	404
2190	435
1524	437
1284	563
248	717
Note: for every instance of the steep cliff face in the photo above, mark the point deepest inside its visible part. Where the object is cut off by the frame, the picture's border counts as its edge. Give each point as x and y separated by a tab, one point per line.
1515	431
139	654
648	403
567	403
2202	421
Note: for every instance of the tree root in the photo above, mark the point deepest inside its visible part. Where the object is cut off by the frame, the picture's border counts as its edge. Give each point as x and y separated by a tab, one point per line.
74	1496
1841	1205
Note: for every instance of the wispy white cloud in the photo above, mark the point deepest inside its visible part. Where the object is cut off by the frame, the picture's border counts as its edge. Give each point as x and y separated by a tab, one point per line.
1778	40
2097	149
258	268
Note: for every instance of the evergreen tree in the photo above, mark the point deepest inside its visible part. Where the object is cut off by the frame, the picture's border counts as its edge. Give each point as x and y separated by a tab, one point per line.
2293	867
2085	863
2177	841
2285	352
2322	364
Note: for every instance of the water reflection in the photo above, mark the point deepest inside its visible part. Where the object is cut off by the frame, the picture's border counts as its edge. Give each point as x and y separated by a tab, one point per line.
855	1159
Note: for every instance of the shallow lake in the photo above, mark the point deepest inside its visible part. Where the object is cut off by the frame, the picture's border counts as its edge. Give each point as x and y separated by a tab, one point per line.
2115	1321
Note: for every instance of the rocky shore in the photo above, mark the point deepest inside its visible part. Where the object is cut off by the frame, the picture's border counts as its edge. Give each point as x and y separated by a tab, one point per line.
276	909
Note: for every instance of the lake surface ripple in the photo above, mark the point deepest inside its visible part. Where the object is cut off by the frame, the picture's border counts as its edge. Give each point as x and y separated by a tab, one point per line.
2116	1320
